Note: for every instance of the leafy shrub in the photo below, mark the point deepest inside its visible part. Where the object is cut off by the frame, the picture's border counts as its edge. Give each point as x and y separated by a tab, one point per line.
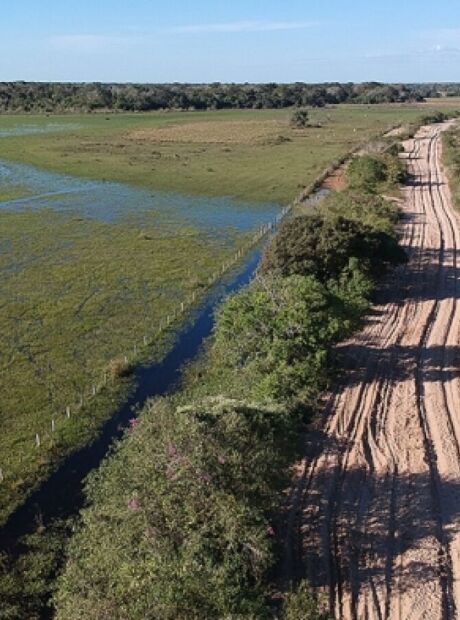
322	246
177	527
301	604
280	331
26	585
367	173
434	117
354	289
369	210
299	119
395	169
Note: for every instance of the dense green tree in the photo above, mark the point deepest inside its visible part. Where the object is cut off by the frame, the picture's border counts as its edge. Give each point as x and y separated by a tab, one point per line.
322	246
280	330
55	97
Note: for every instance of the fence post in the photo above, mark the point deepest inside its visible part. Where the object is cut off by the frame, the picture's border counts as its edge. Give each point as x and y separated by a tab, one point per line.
37	440
67	411
53	425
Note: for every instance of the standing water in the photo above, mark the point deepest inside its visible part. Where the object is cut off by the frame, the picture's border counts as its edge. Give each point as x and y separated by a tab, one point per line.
61	494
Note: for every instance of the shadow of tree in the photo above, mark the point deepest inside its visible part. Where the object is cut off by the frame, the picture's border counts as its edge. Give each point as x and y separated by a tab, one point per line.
356	535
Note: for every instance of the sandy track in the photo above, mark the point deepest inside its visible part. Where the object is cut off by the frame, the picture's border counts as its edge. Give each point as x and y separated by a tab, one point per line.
376	512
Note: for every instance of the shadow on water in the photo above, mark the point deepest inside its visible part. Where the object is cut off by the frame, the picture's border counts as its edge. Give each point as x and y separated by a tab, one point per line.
61	495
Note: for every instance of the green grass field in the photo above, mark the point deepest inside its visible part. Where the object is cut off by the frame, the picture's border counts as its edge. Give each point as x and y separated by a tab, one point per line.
252	155
77	292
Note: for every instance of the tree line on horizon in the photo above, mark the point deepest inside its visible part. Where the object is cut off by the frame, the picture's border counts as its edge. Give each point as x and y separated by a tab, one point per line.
87	97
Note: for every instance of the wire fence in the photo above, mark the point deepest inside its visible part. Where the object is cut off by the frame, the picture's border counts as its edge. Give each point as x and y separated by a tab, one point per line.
128	358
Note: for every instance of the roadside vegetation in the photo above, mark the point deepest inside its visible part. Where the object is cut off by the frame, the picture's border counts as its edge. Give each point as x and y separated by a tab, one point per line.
182	520
439	115
451	158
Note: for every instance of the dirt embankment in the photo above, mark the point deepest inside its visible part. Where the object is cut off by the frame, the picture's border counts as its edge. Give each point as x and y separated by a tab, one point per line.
376	512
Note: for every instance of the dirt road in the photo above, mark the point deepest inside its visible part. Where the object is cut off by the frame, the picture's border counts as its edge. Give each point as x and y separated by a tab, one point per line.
377	509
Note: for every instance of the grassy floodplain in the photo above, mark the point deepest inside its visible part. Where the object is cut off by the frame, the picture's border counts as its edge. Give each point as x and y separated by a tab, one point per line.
75	291
252	155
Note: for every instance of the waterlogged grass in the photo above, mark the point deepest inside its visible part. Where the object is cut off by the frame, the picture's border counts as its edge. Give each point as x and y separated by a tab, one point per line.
12	192
251	155
74	294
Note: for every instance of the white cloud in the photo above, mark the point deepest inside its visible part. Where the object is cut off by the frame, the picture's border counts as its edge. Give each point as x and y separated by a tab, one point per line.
243	26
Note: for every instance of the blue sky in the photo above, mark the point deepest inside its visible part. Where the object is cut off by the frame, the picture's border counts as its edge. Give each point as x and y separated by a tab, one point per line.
231	40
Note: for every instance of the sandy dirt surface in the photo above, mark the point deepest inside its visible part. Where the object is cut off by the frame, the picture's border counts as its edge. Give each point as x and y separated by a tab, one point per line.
375	516
336	181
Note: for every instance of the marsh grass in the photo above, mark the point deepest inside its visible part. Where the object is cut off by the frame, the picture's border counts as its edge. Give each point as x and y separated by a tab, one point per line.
75	296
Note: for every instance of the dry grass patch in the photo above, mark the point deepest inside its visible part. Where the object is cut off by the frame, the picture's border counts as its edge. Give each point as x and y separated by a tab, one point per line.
212	132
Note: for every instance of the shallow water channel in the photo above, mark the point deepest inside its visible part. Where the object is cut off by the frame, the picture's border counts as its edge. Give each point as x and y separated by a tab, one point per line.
111	202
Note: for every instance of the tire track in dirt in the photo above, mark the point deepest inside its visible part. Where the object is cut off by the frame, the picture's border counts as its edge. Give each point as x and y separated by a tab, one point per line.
376	513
